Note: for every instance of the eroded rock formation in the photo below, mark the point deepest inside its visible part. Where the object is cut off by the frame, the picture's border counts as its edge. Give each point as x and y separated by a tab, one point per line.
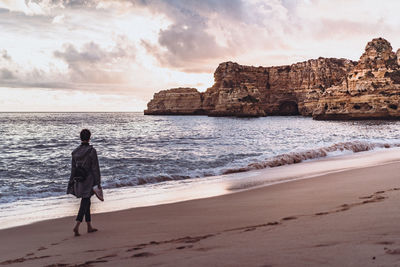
285	90
370	91
326	88
177	101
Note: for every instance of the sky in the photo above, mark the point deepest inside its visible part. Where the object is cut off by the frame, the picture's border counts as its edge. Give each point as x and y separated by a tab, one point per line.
113	55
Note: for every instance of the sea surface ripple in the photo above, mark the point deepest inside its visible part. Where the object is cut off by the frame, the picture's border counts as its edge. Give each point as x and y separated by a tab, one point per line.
138	150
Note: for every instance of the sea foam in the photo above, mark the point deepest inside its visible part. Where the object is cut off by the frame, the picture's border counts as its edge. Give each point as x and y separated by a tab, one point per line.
300	156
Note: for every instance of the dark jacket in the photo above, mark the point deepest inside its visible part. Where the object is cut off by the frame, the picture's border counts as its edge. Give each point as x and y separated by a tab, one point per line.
91	165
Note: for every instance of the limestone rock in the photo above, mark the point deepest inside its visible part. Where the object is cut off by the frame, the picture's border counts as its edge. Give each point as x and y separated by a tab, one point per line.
284	90
176	101
370	91
238	91
256	91
326	88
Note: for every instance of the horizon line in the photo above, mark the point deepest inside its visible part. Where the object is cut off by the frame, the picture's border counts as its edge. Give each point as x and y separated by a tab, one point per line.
71	111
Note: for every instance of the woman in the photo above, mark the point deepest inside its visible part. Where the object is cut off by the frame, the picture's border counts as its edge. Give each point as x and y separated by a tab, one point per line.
85	173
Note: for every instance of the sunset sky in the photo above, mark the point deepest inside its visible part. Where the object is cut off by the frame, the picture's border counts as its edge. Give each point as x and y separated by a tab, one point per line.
92	55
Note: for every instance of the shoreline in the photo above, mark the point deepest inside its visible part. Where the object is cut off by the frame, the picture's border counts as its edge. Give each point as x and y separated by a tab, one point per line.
119	199
342	218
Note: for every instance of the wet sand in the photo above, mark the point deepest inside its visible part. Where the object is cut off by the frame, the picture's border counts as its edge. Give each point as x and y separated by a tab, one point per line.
346	218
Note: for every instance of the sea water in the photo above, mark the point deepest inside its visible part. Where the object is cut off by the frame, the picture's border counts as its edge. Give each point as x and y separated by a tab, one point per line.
143	156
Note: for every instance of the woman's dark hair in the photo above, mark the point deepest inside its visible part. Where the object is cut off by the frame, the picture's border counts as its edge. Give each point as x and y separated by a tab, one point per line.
85	135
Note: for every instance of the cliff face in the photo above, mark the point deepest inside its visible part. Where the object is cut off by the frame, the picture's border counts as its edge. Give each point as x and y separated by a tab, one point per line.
285	90
177	101
255	91
371	90
326	88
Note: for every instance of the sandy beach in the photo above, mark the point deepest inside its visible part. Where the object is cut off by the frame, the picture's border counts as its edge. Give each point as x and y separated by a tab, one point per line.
222	133
345	218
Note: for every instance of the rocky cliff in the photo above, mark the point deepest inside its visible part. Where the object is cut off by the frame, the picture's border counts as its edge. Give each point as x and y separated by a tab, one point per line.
285	90
326	88
370	91
177	101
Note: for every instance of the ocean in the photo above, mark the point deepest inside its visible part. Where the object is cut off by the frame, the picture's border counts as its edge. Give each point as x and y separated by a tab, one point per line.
140	154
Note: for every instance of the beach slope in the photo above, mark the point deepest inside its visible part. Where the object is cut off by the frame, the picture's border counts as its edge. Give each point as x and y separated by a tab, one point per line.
346	218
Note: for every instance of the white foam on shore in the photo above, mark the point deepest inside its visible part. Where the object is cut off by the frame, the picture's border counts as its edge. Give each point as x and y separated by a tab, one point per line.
25	212
316	153
310	169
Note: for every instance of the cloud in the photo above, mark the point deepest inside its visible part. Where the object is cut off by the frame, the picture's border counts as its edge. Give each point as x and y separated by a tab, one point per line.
204	33
199	35
339	29
91	53
186	49
58	19
4	55
18	21
94	64
42	7
186	44
6	74
91	66
17	77
70	3
27	7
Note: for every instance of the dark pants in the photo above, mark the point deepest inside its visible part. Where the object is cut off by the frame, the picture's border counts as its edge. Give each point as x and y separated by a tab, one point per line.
84	209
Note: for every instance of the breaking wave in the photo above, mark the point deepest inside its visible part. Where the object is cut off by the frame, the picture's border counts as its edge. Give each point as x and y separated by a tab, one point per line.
297	157
147	180
275	161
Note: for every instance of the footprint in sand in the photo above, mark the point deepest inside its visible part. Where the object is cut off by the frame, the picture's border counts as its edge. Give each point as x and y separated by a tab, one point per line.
135	248
289	218
393	251
94	250
324	245
183	247
23	260
366	197
204	249
343	207
143	254
385	243
107	256
321	213
376	199
89	263
189	239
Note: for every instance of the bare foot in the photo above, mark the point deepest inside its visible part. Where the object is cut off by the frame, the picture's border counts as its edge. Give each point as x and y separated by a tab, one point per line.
91	230
76	232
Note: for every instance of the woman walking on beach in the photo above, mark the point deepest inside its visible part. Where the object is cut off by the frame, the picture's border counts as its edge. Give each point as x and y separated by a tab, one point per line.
85	174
